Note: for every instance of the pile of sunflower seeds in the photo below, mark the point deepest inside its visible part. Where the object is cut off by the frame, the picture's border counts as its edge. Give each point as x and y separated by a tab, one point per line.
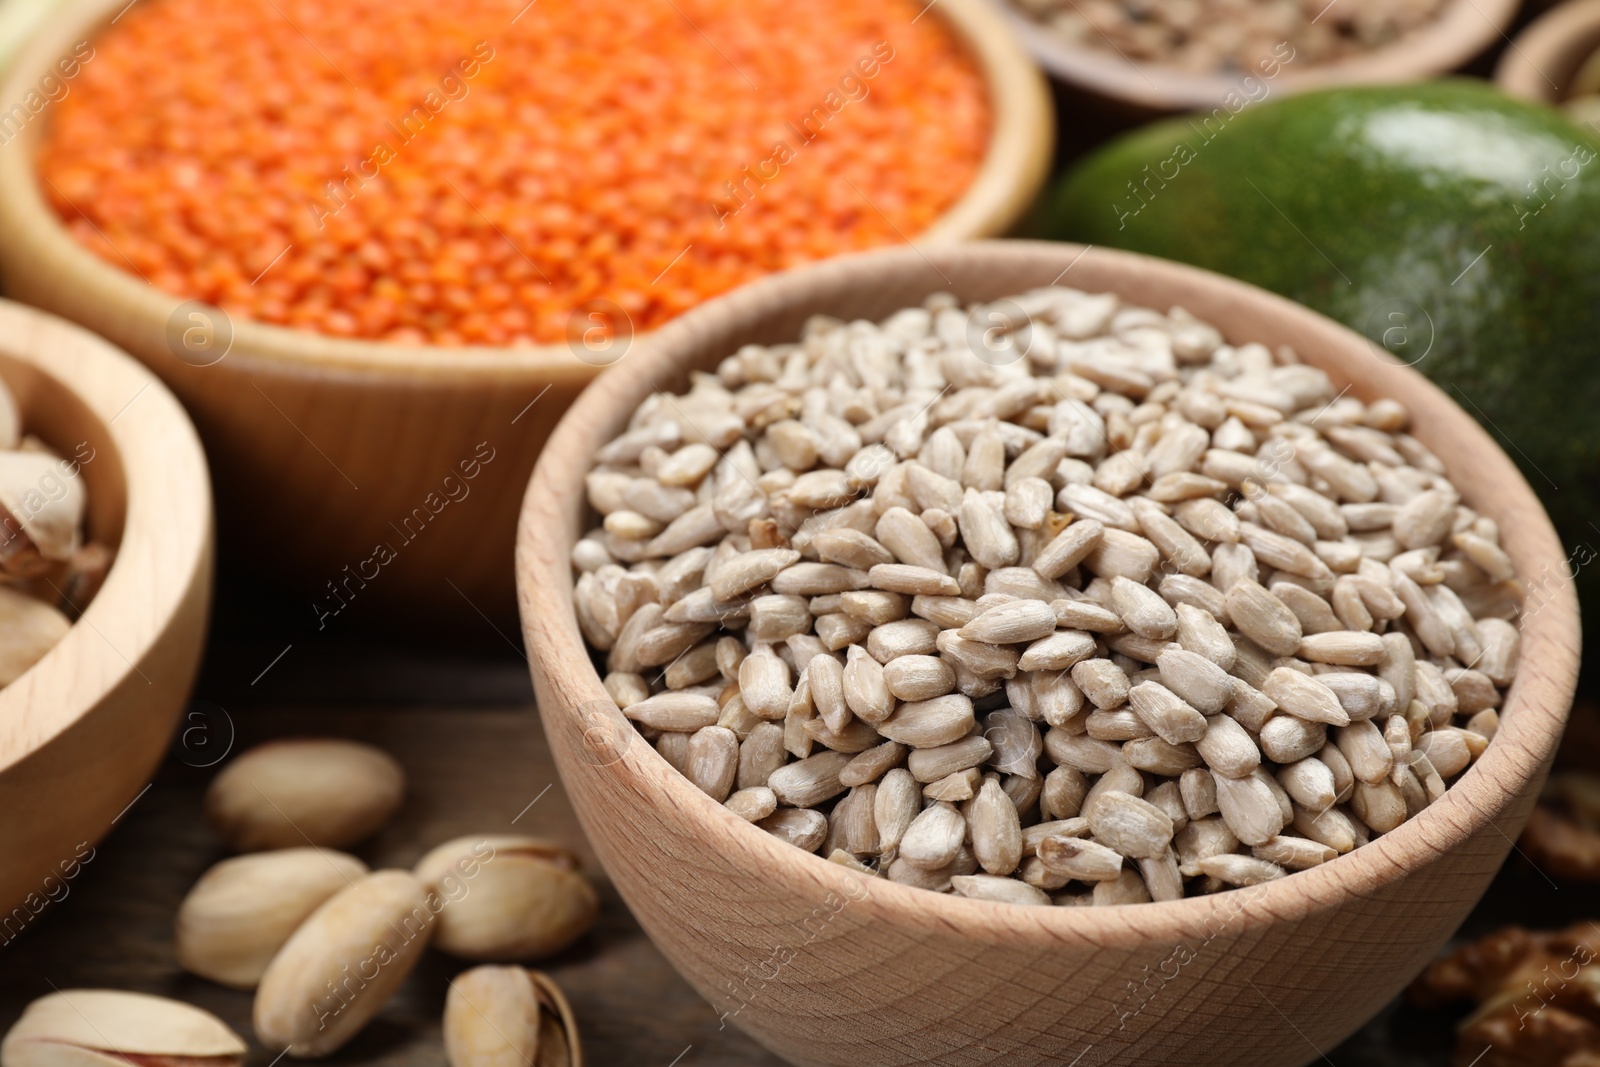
1051	600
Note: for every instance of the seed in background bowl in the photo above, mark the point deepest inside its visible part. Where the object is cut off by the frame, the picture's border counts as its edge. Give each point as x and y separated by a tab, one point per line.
1226	36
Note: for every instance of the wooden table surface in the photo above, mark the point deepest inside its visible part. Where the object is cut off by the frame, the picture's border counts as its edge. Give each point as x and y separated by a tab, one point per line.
459	715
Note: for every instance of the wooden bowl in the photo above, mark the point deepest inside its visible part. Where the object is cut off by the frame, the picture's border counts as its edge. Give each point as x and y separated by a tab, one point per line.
326	450
1542	61
82	732
825	967
1137	90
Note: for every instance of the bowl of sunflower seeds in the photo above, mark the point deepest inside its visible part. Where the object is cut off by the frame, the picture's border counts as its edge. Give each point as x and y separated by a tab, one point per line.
1020	652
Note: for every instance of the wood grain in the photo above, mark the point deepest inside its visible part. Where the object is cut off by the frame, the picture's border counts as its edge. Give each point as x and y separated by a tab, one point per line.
894	975
1097	78
80	732
1544	57
323	447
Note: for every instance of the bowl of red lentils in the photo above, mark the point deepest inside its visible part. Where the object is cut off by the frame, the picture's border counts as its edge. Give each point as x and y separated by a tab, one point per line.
1224	55
377	248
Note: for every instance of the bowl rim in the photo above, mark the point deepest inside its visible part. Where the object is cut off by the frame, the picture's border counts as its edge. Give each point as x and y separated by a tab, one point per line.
1535	707
1015	165
1552	45
166	545
1463	30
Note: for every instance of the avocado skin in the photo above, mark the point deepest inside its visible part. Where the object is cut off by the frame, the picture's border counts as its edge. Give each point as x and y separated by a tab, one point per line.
1370	203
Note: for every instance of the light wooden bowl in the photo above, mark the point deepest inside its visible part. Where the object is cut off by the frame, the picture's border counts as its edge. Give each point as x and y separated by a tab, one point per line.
324	448
1542	61
824	967
1138	90
81	733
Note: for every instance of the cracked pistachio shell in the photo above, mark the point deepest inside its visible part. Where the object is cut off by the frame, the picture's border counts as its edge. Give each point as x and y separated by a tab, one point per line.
559	1043
111	1028
342	965
305	791
507	897
241	911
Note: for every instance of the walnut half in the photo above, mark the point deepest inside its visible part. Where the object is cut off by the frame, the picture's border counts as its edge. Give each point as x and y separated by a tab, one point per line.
1563	833
1538	997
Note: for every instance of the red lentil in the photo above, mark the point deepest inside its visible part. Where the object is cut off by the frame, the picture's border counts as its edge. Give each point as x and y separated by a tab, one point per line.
582	152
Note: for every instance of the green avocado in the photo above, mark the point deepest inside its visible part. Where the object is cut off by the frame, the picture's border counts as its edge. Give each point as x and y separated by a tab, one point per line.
1457	227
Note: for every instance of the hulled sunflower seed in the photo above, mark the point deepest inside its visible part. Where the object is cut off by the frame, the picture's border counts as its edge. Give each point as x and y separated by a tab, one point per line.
753	804
1263	618
1240	870
1013	623
1304	697
810	781
1346	648
1078	859
999	890
802	827
1173	719
934	837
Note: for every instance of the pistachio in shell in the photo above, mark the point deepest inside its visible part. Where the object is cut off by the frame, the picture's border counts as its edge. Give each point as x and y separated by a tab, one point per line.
304	791
242	910
112	1028
491	1019
343	964
43	500
509	1017
507	897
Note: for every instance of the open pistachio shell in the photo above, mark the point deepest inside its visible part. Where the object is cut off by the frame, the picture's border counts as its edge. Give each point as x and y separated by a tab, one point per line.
111	1028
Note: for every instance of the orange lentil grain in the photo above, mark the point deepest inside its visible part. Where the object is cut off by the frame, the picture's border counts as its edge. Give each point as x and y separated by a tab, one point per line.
461	173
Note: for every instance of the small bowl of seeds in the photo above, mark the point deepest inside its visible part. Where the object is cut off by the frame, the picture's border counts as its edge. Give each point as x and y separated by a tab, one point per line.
1224	55
1086	636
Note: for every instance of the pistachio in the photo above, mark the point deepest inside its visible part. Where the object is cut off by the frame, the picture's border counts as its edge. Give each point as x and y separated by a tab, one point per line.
110	1028
28	629
44	497
241	911
343	963
506	897
509	1017
308	791
491	1019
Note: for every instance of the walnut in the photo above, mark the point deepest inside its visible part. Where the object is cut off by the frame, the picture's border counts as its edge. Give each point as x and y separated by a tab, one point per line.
1538	997
1563	833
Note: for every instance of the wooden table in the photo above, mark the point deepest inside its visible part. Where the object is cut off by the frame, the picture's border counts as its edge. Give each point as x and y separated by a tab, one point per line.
461	719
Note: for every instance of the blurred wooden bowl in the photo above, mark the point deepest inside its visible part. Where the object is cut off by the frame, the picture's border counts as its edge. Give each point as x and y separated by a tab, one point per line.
81	733
1136	91
826	967
1544	57
327	449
